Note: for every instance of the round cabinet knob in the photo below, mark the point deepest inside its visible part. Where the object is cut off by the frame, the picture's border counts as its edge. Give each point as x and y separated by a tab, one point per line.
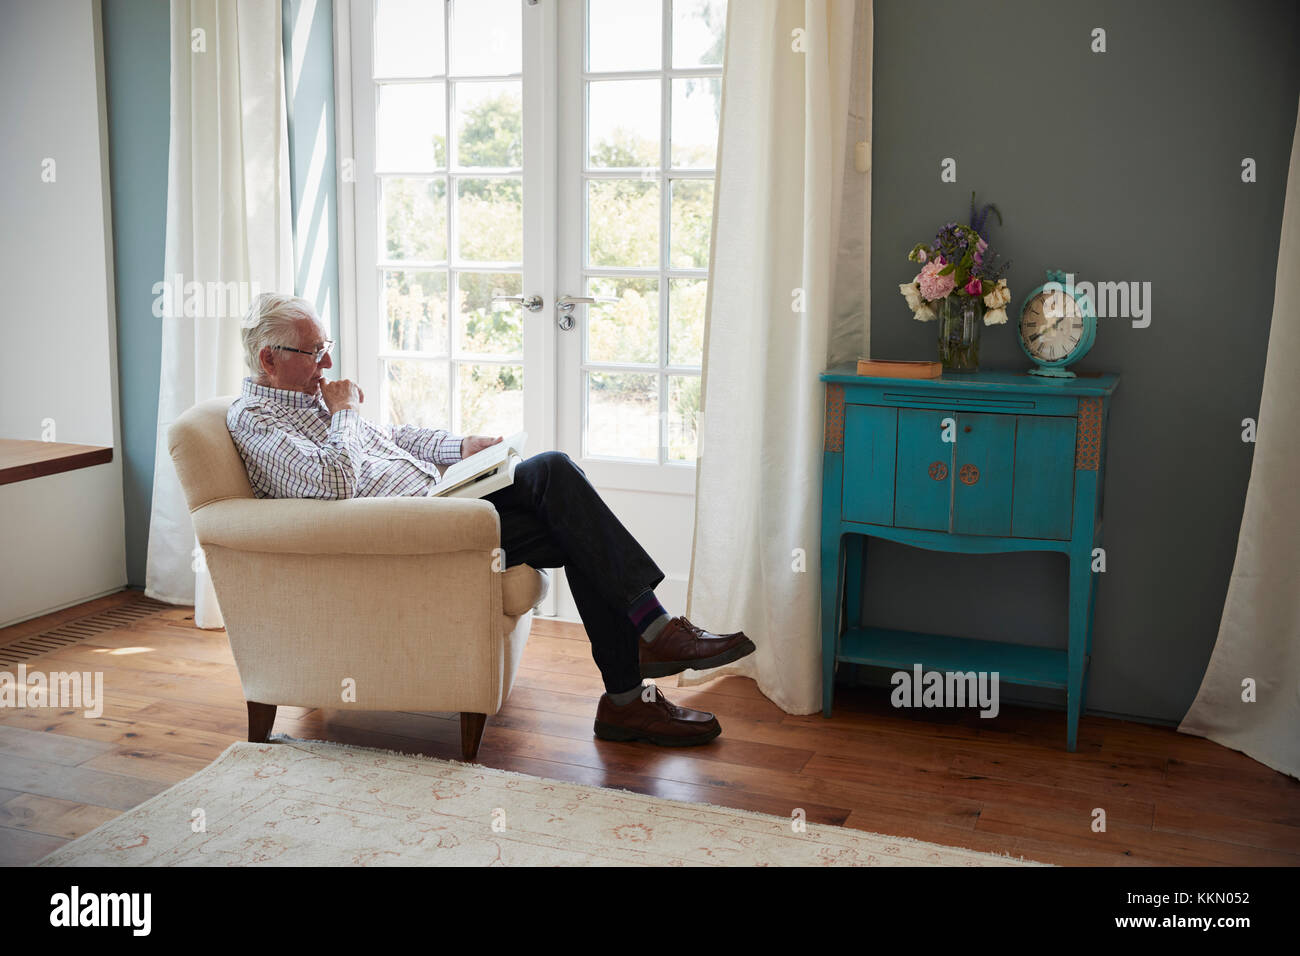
969	474
938	471
968	429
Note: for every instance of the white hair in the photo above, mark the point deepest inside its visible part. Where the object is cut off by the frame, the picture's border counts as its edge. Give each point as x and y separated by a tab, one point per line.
269	321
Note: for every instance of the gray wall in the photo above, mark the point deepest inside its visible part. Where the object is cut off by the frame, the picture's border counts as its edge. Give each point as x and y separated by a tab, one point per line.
137	66
1124	165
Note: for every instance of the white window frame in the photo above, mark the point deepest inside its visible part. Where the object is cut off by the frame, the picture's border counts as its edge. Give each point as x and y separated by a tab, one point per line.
663	476
359	227
552	264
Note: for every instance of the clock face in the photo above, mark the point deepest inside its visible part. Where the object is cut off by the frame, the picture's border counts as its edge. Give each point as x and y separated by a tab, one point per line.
1051	326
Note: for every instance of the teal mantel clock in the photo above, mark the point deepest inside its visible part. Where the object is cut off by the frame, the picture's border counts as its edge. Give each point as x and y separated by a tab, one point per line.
1057	326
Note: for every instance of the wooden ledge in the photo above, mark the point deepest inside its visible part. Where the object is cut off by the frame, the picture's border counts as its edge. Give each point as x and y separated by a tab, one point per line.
21	460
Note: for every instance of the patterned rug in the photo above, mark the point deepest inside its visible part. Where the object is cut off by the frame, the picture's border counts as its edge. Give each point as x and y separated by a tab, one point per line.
314	803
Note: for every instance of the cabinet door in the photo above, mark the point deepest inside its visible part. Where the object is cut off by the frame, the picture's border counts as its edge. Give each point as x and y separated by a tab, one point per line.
923	491
870	432
1044	495
984	460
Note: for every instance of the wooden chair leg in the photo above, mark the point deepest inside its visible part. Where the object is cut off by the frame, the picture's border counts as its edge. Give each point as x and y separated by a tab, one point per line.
471	733
261	717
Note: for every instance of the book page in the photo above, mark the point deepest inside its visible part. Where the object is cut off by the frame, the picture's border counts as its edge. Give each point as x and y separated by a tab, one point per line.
483	461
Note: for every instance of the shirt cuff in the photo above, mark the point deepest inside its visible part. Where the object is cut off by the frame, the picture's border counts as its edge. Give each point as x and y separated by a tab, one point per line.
446	448
345	421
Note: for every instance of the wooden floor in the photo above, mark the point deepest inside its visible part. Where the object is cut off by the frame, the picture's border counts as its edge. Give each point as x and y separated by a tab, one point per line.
173	703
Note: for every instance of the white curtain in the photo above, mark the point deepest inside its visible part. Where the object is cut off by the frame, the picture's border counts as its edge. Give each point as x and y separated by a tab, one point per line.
790	119
1259	633
228	221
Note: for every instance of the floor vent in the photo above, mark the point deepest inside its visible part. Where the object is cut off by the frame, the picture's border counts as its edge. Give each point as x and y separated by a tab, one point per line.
73	632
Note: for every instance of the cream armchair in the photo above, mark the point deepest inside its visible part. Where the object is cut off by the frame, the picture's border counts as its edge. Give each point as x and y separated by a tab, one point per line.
365	604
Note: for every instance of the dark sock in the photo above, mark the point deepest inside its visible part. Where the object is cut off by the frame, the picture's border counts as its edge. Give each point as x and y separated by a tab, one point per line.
648	616
626	697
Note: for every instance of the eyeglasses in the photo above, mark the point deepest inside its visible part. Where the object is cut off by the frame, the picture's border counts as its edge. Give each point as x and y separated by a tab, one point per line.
317	355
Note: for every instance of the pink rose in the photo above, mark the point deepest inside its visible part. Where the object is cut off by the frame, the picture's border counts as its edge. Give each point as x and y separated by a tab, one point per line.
933	285
973	287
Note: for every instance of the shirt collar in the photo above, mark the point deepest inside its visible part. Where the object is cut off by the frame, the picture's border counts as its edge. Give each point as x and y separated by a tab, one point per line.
281	395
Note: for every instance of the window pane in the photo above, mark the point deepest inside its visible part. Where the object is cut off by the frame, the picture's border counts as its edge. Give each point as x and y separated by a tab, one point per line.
623	123
416	392
623	415
486	37
486	327
490	219
686	320
683	417
623	223
626	330
692	216
491	399
416	306
489	124
415	218
624	35
411	128
699	27
696	106
408	38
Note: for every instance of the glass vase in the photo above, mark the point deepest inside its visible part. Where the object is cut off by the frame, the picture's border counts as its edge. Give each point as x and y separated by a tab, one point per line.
960	319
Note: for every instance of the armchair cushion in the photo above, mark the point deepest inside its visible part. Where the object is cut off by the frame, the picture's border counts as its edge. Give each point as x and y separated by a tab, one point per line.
207	461
352	526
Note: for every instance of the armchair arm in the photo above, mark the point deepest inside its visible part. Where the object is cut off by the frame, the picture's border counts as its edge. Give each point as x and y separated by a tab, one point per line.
398	525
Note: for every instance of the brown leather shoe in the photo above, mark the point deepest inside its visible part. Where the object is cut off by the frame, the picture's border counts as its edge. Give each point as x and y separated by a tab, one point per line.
656	721
681	645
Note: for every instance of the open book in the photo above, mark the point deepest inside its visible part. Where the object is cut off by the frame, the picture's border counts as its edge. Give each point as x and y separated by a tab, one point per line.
484	471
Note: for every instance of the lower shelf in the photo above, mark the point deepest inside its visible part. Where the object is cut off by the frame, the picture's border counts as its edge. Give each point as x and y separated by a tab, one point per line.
1015	663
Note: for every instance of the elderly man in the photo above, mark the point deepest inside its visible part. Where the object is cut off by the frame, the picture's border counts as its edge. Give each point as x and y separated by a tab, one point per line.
302	436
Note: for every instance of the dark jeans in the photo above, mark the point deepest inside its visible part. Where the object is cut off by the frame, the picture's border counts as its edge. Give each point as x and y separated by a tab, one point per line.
552	517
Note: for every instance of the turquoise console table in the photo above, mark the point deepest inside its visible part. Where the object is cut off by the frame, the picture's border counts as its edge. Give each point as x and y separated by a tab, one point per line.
975	463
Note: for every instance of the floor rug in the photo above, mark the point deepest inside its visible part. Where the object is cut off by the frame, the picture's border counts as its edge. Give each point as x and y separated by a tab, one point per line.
297	802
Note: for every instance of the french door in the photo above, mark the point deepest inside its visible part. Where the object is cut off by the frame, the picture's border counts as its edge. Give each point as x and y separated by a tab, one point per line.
533	201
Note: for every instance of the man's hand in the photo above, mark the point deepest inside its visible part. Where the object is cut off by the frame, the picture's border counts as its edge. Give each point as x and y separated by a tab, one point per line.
341	394
472	443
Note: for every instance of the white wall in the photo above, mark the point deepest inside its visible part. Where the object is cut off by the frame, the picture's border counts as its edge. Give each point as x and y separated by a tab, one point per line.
61	537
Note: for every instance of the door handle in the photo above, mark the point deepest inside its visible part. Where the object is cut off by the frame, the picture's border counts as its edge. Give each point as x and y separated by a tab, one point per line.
565	304
533	303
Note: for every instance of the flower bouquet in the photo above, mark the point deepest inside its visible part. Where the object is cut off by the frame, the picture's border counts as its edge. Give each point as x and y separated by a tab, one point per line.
960	276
